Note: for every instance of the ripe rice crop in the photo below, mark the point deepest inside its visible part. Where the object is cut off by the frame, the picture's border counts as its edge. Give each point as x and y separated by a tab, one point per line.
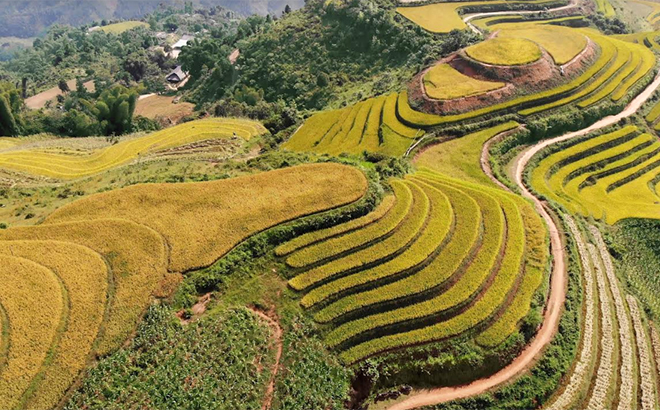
314	237
136	257
34	161
84	275
370	125
598	75
391	121
379	229
443	82
505	51
474	278
481	310
581	375
609	176
257	202
654	114
119	28
536	255
562	43
34	302
403	237
647	371
438	224
444	17
76	285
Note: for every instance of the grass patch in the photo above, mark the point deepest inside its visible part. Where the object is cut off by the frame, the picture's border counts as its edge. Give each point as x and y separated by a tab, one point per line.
118	28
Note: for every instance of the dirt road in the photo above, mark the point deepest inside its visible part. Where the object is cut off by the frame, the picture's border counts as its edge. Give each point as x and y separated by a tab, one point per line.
277	337
558	280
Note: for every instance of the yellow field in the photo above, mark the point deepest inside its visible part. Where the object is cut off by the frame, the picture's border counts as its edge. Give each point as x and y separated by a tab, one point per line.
135	254
505	51
256	203
119	28
160	106
562	43
444	17
443	82
32	298
84	275
609	177
459	157
64	166
77	284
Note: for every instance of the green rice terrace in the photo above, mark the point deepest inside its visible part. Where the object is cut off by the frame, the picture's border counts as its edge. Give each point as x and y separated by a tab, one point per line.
384	204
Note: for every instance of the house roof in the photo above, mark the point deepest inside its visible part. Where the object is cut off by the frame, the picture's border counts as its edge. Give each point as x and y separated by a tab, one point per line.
183	41
178	72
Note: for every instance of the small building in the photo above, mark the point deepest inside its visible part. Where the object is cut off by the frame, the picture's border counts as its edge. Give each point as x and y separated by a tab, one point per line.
177	75
176	48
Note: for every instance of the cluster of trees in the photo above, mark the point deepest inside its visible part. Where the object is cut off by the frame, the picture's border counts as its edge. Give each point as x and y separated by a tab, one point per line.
10	105
67	52
309	56
78	114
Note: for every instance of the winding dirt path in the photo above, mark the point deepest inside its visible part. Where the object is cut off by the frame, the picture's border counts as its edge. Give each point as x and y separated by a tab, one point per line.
558	279
277	336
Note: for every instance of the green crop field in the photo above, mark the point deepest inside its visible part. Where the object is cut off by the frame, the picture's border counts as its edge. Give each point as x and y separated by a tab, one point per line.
610	176
442	82
505	51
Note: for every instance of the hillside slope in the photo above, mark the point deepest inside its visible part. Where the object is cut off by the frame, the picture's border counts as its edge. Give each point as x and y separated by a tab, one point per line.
28	18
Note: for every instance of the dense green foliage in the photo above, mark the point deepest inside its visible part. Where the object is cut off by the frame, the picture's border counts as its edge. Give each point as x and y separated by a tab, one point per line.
181	365
27	18
635	243
352	48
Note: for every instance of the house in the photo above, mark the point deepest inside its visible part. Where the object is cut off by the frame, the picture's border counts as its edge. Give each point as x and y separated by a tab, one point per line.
176	48
177	75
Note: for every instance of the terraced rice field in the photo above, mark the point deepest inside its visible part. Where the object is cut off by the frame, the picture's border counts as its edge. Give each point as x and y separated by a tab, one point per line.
562	43
36	161
489	23
76	285
610	176
619	68
443	82
370	125
615	368
505	51
653	16
649	39
444	17
605	7
446	259
459	157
